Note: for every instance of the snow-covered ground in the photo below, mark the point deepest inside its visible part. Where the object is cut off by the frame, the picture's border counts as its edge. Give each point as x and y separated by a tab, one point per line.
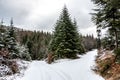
79	69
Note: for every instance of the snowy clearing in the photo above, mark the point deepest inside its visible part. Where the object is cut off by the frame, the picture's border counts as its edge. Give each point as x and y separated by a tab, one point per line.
79	69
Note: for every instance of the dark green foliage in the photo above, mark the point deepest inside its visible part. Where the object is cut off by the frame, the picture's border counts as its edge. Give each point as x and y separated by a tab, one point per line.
108	41
9	44
107	15
23	44
117	52
36	43
8	41
2	39
65	42
12	42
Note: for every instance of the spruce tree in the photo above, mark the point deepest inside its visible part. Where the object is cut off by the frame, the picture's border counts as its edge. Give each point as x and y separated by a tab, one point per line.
2	35
65	42
12	39
8	41
107	15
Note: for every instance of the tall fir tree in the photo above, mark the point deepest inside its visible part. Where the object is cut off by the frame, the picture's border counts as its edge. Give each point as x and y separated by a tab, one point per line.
8	41
12	40
65	42
107	15
2	34
78	38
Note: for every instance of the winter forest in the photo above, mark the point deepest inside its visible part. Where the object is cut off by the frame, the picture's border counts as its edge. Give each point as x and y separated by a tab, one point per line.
72	40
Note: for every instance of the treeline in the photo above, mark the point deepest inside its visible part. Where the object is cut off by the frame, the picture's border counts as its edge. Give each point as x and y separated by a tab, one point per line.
37	42
33	45
89	42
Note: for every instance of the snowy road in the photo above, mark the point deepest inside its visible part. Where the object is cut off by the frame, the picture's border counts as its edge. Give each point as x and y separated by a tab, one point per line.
79	69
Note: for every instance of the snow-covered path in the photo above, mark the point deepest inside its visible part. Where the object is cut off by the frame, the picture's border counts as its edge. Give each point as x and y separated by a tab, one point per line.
79	69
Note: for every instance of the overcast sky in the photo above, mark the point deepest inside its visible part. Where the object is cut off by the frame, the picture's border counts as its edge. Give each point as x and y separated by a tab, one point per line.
42	14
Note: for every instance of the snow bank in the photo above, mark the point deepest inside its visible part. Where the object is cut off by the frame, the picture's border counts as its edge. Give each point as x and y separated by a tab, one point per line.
22	65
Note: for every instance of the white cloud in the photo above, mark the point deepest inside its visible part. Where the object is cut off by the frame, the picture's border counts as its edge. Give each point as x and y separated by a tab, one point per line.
42	14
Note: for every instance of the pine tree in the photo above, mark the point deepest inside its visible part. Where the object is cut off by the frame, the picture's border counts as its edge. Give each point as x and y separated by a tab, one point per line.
8	40
107	15
12	44
78	38
65	42
2	35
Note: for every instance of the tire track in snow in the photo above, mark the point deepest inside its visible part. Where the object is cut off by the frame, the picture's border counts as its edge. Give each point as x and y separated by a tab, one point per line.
48	75
69	77
44	72
60	73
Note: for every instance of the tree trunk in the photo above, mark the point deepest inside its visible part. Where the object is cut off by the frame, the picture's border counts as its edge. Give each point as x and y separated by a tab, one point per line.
49	58
116	40
116	43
